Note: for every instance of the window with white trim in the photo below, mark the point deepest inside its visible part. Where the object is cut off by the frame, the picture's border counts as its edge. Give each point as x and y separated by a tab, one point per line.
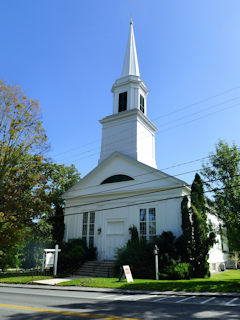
88	228
147	223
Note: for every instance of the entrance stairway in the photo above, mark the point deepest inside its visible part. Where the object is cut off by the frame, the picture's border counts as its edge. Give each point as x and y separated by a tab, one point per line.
103	269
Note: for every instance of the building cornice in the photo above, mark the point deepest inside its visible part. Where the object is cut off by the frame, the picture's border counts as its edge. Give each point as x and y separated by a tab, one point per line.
127	114
129	80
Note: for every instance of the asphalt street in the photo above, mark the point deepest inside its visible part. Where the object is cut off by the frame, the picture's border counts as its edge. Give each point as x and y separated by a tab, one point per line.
39	302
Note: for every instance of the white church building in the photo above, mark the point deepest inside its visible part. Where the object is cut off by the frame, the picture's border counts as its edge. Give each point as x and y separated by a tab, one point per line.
126	189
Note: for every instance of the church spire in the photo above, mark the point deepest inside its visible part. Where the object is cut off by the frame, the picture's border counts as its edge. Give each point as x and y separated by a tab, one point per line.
128	130
130	66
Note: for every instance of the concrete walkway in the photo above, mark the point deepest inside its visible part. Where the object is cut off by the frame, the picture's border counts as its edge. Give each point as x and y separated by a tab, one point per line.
52	282
55	281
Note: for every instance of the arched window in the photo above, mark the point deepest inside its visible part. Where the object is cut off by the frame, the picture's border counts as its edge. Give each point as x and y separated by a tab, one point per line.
117	178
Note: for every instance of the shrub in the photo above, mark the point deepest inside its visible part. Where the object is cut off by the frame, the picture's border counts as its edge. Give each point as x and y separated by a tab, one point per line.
73	253
138	254
176	271
134	254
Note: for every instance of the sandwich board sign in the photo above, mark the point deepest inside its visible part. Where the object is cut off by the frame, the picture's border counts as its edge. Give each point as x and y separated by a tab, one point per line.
126	272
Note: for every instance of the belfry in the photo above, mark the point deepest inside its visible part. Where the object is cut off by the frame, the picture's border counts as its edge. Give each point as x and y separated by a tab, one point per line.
128	130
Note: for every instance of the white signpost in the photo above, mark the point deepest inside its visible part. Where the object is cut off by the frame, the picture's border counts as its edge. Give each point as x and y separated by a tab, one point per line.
50	259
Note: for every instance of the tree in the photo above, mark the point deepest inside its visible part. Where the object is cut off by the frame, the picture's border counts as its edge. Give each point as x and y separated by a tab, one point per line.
21	130
196	240
37	238
24	198
202	239
50	229
184	243
22	181
61	178
222	172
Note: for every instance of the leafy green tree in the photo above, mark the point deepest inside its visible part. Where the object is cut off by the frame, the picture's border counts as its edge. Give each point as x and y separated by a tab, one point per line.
21	130
223	174
22	182
61	178
24	198
37	238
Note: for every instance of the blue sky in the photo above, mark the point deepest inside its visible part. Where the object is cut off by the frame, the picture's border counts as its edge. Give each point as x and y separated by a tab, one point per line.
68	53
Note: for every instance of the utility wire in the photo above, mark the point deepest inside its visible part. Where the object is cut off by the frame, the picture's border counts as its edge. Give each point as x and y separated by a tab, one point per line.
137	195
204	100
144	193
196	103
124	206
123	143
146	137
151	201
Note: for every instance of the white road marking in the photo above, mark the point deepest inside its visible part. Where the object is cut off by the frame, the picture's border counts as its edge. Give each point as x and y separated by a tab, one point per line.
162	299
122	297
185	299
229	302
205	301
142	297
104	297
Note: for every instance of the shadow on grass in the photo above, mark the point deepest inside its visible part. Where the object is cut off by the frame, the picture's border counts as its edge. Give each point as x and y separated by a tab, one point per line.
191	286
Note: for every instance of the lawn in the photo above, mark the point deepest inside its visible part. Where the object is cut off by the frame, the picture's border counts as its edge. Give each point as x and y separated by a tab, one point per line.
21	278
228	281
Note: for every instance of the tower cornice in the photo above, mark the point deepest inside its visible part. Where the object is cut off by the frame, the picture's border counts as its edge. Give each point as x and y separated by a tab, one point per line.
128	80
133	113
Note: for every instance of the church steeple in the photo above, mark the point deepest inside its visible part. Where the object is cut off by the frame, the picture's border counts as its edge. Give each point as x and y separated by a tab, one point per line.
130	66
129	91
128	130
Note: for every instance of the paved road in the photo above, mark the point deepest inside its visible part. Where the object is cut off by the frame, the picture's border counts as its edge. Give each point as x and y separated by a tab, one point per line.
22	303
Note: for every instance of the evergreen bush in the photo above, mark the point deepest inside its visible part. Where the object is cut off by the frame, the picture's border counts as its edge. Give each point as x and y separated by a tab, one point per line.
74	253
176	271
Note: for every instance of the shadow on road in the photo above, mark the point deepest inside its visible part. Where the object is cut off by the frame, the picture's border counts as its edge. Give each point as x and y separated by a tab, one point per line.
135	310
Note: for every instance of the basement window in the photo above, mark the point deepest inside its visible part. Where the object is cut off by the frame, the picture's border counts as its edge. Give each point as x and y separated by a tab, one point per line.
117	178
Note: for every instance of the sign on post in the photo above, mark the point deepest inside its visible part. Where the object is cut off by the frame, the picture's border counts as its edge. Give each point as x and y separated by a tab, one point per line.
50	258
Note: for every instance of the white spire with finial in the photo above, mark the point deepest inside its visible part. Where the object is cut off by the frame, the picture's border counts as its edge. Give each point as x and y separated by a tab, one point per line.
130	66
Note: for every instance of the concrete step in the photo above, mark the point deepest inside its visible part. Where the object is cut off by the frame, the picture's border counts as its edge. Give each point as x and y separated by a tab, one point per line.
97	269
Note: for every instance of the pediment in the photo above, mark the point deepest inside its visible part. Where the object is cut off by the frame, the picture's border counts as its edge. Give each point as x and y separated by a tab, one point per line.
141	177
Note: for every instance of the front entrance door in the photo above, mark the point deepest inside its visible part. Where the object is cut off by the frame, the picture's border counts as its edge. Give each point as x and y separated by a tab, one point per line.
115	238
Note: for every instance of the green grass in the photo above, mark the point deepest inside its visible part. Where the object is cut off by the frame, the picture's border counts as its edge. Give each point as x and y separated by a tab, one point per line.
228	281
20	278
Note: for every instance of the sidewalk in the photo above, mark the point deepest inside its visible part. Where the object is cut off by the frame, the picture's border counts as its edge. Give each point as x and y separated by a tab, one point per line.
54	281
